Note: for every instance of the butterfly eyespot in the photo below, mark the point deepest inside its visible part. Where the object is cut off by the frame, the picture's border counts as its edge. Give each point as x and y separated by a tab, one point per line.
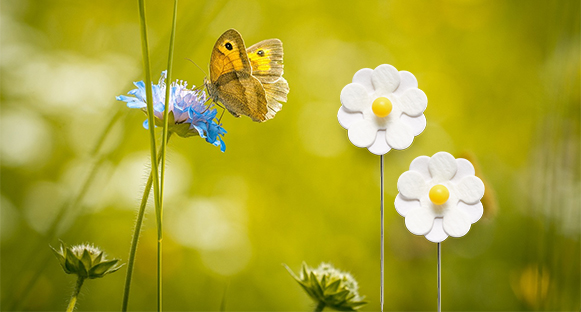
228	46
260	52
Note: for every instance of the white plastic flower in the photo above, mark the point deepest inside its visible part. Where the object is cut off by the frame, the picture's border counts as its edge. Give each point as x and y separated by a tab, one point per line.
439	196
383	109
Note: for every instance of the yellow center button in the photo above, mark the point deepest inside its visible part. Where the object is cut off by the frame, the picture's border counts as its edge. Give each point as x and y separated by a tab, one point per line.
381	107
439	194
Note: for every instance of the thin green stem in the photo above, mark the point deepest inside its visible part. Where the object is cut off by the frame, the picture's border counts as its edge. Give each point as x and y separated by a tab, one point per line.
149	99
320	306
151	121
136	233
159	210
73	301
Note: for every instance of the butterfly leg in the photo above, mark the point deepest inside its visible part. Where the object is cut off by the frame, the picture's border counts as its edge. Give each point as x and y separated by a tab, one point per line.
208	106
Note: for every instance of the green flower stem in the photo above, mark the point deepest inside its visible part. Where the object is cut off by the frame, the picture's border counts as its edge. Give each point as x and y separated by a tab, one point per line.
151	121
159	211
75	295
136	233
320	306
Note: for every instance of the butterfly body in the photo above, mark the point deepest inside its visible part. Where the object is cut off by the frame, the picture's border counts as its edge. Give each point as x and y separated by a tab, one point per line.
247	81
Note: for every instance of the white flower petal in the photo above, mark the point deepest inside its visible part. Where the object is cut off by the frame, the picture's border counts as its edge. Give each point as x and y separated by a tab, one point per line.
346	119
419	221
437	234
404	206
420	165
362	133
412	185
379	147
465	169
456	222
442	166
475	211
417	124
363	77
470	189
413	102
354	98
398	135
385	79
408	81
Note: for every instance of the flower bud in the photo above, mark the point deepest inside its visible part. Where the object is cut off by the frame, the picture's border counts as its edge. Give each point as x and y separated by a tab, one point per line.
86	261
336	289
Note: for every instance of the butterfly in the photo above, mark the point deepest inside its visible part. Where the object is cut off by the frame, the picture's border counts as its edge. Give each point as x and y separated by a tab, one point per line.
247	81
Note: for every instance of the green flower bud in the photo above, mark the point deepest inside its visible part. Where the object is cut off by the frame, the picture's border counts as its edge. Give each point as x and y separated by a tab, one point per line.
330	287
86	261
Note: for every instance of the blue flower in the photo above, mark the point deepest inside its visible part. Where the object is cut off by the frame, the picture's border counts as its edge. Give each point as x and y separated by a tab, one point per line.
188	115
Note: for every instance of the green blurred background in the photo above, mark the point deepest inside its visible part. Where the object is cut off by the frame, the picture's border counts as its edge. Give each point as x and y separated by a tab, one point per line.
502	79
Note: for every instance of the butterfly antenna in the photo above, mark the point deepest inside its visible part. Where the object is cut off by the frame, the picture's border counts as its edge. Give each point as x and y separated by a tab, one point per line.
197	66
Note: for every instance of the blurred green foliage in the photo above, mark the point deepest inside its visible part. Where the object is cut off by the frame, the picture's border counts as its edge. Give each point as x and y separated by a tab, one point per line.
502	79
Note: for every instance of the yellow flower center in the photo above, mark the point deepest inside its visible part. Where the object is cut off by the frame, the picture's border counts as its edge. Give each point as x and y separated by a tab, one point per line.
381	107
439	194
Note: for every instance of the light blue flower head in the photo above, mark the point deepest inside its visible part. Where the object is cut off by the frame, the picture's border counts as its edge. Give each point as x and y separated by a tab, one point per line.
188	115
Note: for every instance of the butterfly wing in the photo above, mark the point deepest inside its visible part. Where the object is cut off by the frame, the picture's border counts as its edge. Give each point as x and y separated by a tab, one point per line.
266	59
228	55
231	82
243	94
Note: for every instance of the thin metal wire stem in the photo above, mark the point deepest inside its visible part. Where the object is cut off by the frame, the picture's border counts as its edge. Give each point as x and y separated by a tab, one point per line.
439	278
382	227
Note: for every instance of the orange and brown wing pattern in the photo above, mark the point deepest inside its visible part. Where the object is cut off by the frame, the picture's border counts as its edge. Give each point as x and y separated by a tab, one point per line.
228	55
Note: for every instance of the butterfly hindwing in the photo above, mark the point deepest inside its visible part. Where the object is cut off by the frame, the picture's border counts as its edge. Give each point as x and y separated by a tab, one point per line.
266	60
243	94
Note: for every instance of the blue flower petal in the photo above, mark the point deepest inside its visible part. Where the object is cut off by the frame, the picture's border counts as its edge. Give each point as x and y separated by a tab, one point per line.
186	103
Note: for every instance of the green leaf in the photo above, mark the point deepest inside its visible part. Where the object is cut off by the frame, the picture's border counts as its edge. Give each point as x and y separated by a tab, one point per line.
341	296
333	286
71	262
305	272
315	286
98	259
101	269
86	259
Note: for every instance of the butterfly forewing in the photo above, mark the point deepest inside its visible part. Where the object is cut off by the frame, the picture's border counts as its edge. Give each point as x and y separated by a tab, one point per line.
228	55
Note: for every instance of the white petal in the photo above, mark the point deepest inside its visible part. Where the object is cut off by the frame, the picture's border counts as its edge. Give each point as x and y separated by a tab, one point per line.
379	147
362	133
437	234
470	189
442	166
465	169
408	81
404	206
363	77
419	221
456	222
417	124
385	79
399	135
346	119
354	98
420	164
413	102
412	185
475	211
